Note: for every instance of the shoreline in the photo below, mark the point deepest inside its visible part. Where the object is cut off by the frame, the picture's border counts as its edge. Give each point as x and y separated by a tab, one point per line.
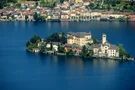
64	54
65	21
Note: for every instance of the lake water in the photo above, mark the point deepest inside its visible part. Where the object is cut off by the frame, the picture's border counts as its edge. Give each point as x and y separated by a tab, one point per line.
21	70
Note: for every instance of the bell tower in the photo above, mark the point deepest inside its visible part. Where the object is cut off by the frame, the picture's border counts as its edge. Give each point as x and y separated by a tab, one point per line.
103	38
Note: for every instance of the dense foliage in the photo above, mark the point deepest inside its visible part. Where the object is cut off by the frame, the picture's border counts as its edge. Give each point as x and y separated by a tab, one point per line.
47	3
5	2
61	49
38	17
86	53
70	52
32	43
122	52
55	37
115	5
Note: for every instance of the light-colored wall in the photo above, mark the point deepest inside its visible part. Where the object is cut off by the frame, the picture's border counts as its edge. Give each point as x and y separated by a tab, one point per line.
79	41
64	16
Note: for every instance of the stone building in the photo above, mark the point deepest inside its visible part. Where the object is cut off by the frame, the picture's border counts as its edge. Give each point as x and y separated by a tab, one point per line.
105	49
80	38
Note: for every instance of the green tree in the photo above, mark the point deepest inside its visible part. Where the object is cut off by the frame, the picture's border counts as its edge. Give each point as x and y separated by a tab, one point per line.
28	43
95	41
61	49
2	3
26	17
18	5
14	1
61	1
42	49
35	16
42	3
108	7
91	5
84	51
51	46
122	52
91	53
41	18
53	38
117	1
70	52
113	3
35	39
36	4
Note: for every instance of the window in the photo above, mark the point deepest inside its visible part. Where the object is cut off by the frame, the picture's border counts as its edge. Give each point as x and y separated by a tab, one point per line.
105	51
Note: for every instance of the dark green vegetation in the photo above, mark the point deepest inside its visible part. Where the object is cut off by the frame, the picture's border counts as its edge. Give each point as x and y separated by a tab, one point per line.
61	49
55	37
38	17
113	5
122	52
5	2
47	3
86	53
110	5
33	42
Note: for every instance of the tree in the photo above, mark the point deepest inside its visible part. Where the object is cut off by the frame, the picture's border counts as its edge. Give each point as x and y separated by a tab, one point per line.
118	2
70	52
18	5
51	46
84	51
95	41
113	3
26	17
108	7
14	1
42	3
91	5
41	18
28	43
35	39
2	3
53	38
42	49
61	1
91	53
35	16
61	49
63	39
122	52
36	3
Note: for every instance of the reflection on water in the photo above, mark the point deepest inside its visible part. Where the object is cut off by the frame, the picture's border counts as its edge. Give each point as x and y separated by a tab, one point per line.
78	62
64	24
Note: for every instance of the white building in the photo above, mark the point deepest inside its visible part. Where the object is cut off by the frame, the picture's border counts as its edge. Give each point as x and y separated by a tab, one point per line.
105	49
54	45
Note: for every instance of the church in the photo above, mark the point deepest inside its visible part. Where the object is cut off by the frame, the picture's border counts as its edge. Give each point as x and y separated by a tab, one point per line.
105	49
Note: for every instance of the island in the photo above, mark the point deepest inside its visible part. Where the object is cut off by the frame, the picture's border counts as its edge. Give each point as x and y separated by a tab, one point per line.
77	44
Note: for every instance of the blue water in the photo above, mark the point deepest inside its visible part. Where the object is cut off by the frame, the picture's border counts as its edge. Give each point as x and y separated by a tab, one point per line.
21	70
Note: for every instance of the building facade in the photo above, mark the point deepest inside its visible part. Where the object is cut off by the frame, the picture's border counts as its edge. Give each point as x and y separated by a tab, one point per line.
105	49
79	38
